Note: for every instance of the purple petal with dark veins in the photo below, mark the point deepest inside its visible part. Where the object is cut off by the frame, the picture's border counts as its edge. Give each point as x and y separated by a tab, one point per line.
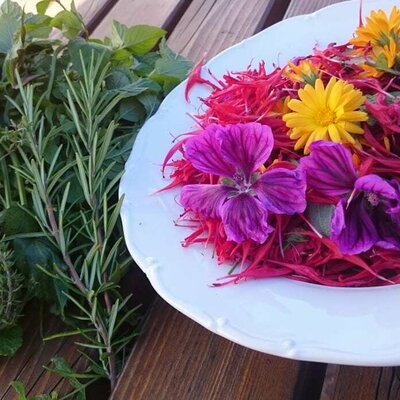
387	222
393	207
246	146
282	191
206	200
376	185
204	152
329	168
244	217
352	227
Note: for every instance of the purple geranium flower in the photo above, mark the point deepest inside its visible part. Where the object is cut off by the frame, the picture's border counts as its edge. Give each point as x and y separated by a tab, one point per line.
369	212
244	196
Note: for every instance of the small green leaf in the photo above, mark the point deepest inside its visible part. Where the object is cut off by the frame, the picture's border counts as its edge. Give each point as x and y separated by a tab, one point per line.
145	64
118	78
131	110
68	23
42	6
15	220
381	61
37	26
150	102
320	216
19	388
138	39
118	34
11	8
170	69
8	30
140	85
29	253
122	57
10	340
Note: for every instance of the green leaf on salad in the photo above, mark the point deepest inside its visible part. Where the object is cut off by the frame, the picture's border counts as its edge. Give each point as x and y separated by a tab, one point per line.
320	216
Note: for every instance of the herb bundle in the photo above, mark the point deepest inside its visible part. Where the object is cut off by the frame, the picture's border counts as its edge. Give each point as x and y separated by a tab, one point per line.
69	112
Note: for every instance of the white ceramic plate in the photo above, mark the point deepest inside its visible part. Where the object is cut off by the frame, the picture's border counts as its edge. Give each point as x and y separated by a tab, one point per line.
278	316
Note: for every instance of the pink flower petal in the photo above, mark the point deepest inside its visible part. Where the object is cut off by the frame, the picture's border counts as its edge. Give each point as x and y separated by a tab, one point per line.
329	169
352	228
282	191
246	146
244	217
205	200
377	185
204	152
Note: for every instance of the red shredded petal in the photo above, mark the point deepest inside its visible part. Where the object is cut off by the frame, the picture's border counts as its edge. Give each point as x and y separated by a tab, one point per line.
195	78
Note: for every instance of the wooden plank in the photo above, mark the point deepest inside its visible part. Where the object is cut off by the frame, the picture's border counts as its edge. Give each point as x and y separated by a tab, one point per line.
176	358
361	383
209	26
47	381
27	364
132	12
299	7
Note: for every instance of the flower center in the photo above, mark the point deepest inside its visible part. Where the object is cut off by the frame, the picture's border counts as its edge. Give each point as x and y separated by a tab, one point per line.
372	199
325	117
243	185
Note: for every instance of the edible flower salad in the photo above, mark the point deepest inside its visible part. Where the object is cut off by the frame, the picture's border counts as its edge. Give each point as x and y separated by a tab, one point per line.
296	172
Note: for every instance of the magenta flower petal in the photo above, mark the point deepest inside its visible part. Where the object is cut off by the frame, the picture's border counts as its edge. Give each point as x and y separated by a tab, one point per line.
244	217
282	191
388	232
246	146
206	200
352	228
376	185
329	169
204	152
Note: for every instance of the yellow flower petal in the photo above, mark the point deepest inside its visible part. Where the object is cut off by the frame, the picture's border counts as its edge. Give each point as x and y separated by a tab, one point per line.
328	112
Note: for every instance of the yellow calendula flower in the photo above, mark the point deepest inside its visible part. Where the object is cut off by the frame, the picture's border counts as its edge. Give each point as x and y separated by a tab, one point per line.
381	34
303	72
378	29
325	113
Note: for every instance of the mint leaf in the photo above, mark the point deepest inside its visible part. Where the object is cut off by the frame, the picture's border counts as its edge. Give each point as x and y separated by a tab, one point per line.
10	340
29	253
170	64
170	69
38	26
83	50
8	28
119	78
139	86
12	9
131	110
138	39
14	220
68	23
42	6
118	33
320	216
150	102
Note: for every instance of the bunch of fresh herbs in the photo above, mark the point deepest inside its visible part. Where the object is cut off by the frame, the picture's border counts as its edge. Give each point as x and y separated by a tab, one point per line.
70	108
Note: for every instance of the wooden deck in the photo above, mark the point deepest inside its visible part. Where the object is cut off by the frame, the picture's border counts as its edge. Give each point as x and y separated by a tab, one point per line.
175	358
